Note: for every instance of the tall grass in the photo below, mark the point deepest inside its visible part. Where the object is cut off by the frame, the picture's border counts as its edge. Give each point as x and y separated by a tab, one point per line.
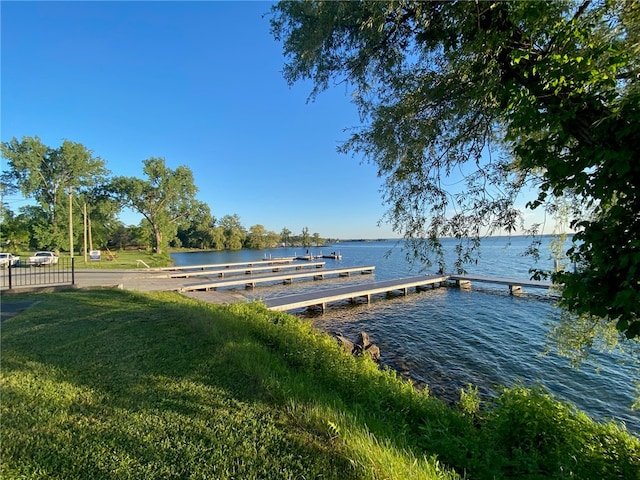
114	384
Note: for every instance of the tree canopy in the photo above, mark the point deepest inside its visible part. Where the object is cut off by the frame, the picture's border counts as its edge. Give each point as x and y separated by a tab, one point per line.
233	231
44	173
164	199
198	231
465	105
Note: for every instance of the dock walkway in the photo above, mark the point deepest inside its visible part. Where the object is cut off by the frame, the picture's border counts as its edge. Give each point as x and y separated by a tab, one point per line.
284	277
515	286
292	302
247	270
275	261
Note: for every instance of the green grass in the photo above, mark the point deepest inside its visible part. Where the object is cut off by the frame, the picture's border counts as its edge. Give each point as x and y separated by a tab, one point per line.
114	384
124	259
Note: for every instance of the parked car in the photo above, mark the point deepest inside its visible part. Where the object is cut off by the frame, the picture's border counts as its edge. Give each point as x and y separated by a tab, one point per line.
43	258
7	259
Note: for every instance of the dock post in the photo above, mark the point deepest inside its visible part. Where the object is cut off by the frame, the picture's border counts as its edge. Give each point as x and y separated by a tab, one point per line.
464	284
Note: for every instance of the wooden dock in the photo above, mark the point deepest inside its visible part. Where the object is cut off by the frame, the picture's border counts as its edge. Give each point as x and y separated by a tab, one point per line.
247	270
278	259
284	277
334	256
266	261
322	298
312	256
515	285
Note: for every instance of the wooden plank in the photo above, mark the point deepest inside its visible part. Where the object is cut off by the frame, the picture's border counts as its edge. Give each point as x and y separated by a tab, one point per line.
285	277
275	261
351	292
515	285
501	281
249	269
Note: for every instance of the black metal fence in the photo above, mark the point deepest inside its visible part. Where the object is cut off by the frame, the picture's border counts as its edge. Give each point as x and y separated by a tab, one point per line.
25	275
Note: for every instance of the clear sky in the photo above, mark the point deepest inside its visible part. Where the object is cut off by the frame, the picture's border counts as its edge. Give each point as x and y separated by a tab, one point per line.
199	84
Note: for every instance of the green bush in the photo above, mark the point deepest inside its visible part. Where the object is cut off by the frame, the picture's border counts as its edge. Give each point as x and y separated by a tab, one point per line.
537	436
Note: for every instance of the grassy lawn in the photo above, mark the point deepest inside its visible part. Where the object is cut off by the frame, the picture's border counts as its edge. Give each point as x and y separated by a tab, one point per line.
121	259
110	384
115	259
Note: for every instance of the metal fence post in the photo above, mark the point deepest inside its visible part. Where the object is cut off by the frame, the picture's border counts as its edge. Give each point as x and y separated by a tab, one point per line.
9	274
73	271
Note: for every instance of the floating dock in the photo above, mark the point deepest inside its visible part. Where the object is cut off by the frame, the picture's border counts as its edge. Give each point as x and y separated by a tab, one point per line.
284	277
209	266
278	259
515	286
322	298
351	293
247	270
333	255
311	256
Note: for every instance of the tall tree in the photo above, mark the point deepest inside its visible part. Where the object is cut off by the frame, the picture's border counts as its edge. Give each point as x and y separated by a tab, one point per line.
217	238
464	104
15	233
198	231
234	232
256	238
165	198
316	239
271	239
285	236
121	236
260	238
305	238
102	212
46	174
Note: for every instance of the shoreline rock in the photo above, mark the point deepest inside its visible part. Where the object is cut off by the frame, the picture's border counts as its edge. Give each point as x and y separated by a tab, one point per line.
360	346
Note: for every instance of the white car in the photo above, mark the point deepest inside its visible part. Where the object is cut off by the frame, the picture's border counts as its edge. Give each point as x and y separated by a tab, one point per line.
43	258
7	259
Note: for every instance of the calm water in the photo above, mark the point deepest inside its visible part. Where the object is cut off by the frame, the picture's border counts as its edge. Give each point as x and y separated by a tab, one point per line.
447	338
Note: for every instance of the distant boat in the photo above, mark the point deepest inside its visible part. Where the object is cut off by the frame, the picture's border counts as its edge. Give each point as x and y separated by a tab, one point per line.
334	255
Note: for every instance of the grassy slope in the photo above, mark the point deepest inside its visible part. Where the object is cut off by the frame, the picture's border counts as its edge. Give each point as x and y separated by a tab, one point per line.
113	384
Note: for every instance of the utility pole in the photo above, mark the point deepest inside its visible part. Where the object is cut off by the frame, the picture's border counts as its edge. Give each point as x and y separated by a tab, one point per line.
70	223
84	222
90	237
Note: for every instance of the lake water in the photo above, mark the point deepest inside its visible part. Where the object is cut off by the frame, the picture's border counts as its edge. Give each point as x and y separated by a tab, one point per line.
447	338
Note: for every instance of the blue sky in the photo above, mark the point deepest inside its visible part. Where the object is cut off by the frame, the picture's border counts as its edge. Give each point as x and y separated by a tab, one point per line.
199	84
